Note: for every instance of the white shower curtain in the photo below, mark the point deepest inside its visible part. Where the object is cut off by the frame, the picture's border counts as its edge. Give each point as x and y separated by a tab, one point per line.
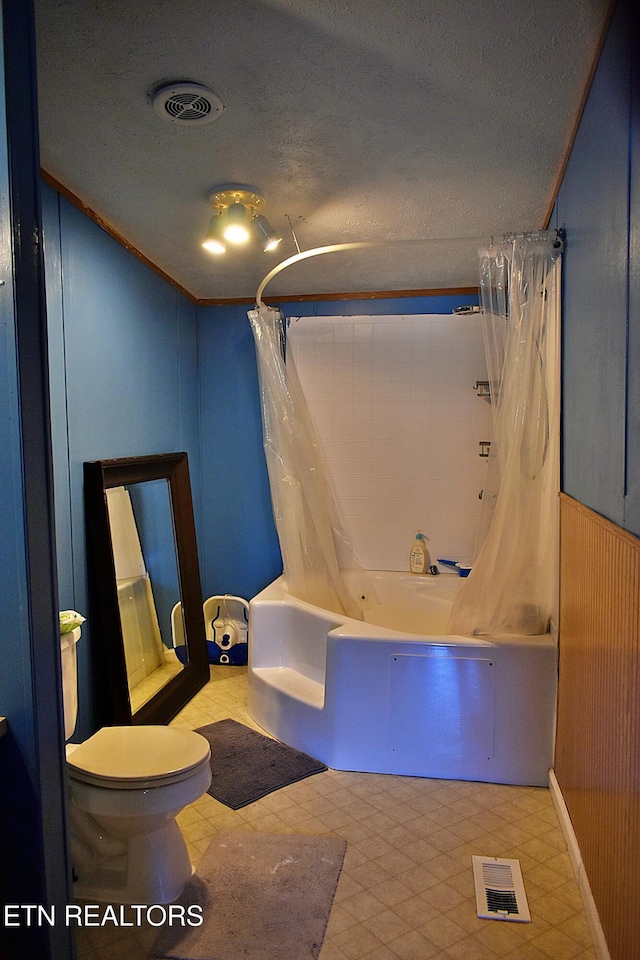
316	553
512	588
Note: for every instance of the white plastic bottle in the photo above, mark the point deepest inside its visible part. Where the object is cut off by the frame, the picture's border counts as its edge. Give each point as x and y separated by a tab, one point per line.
419	557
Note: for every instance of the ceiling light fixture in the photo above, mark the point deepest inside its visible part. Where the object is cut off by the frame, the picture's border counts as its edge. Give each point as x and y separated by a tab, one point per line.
238	218
268	237
214	240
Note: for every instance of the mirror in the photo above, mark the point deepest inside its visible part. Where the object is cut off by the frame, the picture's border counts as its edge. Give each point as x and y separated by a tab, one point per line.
145	601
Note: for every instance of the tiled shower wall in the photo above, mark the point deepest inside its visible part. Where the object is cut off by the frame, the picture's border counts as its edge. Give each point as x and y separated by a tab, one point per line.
392	399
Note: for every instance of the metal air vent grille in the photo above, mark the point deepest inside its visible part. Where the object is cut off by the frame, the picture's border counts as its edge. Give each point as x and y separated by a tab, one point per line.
500	891
186	103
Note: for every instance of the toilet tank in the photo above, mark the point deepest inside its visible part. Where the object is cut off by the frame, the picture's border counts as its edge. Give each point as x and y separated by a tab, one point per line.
68	643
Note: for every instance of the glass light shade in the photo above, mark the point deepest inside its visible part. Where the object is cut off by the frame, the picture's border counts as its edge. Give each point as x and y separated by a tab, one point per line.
214	242
237	228
268	237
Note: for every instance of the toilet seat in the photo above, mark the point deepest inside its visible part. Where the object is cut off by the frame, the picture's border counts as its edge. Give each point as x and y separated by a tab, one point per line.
138	757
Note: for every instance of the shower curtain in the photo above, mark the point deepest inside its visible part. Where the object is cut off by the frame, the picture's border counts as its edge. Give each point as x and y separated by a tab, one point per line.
316	553
512	588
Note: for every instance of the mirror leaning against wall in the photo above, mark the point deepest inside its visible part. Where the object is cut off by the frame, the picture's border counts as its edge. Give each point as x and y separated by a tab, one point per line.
145	600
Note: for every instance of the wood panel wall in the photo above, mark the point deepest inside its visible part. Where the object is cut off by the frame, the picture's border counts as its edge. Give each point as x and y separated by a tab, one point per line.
598	734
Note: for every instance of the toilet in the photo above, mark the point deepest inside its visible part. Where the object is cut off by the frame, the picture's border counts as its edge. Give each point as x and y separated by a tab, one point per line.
127	785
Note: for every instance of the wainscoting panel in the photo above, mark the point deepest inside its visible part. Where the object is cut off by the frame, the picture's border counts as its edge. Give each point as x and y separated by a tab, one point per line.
598	737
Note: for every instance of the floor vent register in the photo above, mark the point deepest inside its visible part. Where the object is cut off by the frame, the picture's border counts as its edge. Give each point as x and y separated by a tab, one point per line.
500	890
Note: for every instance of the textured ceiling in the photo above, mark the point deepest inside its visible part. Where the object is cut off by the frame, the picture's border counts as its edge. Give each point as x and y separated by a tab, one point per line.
359	120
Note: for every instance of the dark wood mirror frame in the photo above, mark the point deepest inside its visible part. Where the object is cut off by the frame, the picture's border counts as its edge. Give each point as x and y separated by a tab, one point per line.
105	624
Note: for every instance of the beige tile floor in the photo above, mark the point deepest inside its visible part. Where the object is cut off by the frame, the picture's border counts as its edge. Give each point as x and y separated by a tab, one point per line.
406	890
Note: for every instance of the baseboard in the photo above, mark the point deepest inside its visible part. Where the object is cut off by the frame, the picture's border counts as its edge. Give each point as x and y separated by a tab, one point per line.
590	909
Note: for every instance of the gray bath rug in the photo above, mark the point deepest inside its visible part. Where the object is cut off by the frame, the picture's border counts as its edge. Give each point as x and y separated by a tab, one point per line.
246	765
264	896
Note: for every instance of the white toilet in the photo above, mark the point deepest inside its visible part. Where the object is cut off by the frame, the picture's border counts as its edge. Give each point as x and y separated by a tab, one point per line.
127	784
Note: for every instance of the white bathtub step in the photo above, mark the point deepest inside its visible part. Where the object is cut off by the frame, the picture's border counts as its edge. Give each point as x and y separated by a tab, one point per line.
294	684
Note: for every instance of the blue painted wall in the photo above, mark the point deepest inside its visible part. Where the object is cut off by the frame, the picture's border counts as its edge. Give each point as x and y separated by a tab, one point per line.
239	550
18	749
34	865
124	382
599	204
15	681
389	306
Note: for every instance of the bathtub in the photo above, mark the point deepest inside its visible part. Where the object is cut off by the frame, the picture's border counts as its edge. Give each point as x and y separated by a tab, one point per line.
396	694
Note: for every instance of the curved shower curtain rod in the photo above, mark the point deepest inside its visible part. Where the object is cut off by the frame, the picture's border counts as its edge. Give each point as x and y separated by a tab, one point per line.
362	244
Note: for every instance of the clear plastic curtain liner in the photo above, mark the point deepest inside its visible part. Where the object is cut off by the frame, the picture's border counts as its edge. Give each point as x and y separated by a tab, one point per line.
319	564
512	588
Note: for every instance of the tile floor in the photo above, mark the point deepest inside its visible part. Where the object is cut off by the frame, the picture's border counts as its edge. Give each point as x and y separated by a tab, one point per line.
406	890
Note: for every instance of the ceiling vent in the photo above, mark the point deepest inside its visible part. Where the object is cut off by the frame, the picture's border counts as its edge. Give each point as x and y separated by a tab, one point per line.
185	102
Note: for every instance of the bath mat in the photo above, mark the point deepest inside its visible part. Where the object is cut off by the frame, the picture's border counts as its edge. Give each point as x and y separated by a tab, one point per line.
246	765
264	896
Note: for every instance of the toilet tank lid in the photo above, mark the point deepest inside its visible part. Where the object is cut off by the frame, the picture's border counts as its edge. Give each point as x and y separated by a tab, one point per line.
139	753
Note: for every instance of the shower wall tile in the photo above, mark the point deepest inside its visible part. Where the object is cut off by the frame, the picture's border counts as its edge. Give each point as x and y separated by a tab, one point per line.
393	405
